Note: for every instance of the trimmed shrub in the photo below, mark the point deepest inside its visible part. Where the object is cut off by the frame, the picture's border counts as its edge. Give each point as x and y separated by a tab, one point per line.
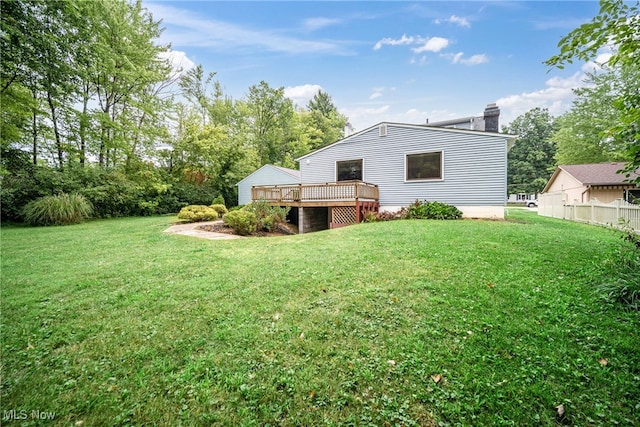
267	216
61	209
197	213
243	222
221	209
432	210
219	200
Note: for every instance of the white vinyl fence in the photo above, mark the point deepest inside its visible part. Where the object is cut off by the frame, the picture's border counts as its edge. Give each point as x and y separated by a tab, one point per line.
618	213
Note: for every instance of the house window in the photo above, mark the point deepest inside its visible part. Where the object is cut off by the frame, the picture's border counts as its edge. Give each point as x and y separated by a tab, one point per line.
424	166
349	170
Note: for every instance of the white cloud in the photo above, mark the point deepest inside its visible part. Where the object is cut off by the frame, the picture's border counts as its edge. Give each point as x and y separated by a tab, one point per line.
453	19
458	58
191	29
301	95
598	63
404	40
375	95
556	97
178	60
363	117
313	24
434	44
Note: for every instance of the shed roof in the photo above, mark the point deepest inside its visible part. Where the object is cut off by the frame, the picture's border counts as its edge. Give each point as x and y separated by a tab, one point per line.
291	172
594	174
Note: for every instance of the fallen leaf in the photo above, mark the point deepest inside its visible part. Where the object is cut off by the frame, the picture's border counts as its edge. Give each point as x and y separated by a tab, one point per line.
302	336
490	285
395	299
436	378
560	410
391	362
312	394
603	361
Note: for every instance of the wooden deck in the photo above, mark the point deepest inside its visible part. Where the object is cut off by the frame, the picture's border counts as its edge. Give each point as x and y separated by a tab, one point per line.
343	193
346	202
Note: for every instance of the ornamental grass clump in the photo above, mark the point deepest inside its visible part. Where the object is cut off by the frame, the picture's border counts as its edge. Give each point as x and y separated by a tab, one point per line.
198	213
59	209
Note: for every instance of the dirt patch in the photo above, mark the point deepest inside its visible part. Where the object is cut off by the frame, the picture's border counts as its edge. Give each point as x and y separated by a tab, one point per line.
279	230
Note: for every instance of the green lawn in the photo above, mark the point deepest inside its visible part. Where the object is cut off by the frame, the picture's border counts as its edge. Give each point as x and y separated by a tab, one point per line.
400	323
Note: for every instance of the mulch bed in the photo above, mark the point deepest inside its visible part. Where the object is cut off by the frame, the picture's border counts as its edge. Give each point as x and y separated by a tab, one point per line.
279	230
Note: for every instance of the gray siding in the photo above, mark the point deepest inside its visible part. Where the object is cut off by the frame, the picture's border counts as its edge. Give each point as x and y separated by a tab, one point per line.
266	175
475	164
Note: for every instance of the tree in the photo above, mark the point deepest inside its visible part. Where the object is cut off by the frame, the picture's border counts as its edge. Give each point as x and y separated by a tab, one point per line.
616	25
326	119
581	136
270	113
530	160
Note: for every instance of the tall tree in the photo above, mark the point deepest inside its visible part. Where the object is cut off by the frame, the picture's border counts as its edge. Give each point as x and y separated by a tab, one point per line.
270	113
616	25
330	124
129	66
530	161
581	135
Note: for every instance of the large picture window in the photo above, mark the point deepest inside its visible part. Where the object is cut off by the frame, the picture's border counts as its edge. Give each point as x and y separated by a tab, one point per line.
349	170
424	166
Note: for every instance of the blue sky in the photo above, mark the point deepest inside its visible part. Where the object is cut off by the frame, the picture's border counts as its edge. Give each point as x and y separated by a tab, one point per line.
384	61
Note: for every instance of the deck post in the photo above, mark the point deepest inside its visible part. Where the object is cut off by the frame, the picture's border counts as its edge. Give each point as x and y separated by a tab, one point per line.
300	220
357	211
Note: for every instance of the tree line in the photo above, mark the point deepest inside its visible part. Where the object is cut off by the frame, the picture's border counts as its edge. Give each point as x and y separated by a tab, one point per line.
91	103
603	123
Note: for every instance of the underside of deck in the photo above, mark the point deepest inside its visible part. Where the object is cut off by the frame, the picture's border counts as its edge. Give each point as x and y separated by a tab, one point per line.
322	206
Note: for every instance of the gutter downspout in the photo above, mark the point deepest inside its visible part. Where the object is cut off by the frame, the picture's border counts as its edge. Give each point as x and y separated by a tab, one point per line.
585	191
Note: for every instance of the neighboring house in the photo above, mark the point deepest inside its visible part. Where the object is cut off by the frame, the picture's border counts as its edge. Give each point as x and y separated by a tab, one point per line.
266	175
601	181
464	168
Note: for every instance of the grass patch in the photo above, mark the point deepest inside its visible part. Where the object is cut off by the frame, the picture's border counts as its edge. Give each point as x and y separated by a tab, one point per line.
405	322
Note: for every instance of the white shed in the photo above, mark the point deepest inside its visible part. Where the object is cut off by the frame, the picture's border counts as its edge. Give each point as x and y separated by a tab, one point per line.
266	175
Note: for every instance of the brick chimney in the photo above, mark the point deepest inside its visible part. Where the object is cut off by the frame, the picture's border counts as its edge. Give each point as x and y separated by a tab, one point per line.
491	118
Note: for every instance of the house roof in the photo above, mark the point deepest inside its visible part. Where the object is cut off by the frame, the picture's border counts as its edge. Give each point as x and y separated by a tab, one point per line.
508	137
594	174
292	172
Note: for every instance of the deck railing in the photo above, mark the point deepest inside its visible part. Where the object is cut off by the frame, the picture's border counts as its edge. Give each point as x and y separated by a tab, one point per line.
330	191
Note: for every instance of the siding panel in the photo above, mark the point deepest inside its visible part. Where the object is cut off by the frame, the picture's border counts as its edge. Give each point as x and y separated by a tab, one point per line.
475	164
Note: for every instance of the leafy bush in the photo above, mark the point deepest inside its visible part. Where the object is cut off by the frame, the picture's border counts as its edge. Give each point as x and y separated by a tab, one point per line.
197	213
61	209
243	222
219	200
267	216
221	209
432	210
384	215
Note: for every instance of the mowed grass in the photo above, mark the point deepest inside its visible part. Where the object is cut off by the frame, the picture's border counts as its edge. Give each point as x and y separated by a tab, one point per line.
400	323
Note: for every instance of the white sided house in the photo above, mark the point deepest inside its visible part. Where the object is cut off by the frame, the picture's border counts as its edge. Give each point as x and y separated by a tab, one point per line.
464	168
266	175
